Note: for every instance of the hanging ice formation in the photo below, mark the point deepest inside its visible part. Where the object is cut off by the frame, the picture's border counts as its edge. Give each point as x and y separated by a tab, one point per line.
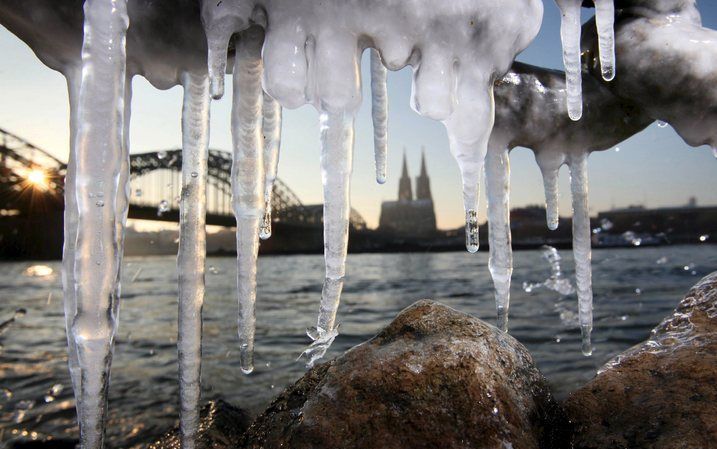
570	31
531	112
98	151
297	51
192	249
317	62
379	113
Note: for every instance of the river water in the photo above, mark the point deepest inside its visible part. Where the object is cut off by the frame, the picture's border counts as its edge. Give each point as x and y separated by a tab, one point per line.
634	289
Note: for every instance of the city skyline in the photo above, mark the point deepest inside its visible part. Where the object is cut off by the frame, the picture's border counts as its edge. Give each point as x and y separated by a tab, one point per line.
654	167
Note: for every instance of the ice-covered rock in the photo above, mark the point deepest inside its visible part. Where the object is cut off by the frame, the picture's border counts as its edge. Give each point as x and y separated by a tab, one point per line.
433	378
661	393
667	64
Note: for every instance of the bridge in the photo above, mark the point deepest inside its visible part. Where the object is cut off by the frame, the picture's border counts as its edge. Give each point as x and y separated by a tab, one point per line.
32	196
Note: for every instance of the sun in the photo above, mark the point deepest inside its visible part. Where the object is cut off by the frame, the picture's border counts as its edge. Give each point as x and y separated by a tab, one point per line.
37	178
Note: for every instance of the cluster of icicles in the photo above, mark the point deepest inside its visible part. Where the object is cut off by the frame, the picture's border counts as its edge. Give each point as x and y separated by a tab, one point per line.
289	53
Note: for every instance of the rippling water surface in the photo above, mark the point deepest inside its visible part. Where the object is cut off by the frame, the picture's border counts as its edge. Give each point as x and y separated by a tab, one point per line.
634	289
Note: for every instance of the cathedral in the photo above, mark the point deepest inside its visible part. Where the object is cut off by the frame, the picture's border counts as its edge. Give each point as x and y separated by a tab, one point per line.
409	216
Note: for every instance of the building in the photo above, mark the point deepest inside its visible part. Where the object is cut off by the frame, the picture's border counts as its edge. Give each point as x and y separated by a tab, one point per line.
409	216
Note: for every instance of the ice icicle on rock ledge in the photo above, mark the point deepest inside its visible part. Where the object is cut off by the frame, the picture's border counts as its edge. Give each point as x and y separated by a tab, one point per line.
379	113
531	112
98	157
570	33
317	63
248	186
191	256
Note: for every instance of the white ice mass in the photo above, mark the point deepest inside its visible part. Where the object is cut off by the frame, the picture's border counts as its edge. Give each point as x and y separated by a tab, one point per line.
287	53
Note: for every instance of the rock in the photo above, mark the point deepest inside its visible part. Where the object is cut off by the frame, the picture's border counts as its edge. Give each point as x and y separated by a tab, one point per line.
220	427
434	378
660	394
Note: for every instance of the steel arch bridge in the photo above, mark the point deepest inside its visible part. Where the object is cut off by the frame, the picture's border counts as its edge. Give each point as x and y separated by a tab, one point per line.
155	178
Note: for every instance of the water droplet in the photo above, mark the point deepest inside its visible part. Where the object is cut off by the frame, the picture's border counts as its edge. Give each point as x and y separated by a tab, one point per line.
661	124
162	208
638	291
605	224
265	226
5	393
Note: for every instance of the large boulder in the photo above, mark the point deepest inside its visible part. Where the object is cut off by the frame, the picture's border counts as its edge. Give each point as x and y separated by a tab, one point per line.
434	378
220	427
660	394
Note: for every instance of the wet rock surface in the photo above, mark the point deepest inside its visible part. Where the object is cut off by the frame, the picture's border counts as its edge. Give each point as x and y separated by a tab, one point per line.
220	427
434	378
660	394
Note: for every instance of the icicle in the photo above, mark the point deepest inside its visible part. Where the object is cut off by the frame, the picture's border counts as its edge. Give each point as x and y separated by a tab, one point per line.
337	139
98	157
271	129
74	78
247	182
379	111
550	183
605	19
570	36
500	262
581	245
192	250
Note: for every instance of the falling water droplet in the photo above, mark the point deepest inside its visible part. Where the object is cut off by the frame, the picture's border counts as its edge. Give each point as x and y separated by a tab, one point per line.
265	226
472	243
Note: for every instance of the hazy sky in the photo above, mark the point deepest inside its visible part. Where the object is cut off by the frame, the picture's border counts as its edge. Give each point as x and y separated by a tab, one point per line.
654	168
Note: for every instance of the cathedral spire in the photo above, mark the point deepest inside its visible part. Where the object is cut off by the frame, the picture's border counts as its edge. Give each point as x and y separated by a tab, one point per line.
424	172
423	185
405	192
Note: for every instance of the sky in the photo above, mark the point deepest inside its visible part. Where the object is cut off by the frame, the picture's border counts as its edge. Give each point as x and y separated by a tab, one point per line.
653	168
